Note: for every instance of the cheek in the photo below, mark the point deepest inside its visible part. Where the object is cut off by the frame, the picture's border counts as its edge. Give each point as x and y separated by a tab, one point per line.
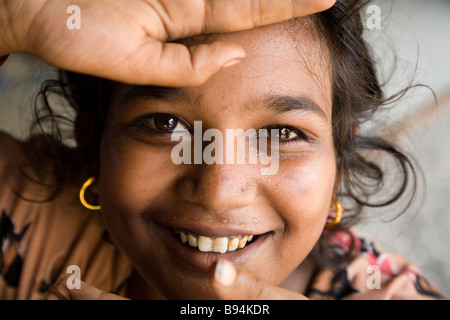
304	195
132	177
132	174
310	188
300	194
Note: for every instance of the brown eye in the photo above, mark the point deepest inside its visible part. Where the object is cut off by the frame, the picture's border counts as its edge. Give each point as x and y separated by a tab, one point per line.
164	122
287	134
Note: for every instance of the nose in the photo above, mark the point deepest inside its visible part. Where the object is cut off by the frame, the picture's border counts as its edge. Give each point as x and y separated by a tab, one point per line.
220	187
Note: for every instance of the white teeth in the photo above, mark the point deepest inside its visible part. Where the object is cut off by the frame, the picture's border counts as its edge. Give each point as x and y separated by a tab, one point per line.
207	244
192	240
204	244
183	237
220	245
233	244
242	242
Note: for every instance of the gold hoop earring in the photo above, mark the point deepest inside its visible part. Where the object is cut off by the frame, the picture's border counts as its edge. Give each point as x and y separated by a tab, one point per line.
82	192
338	216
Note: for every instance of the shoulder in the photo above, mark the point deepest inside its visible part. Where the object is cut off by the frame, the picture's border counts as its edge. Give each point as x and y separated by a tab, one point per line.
371	274
41	237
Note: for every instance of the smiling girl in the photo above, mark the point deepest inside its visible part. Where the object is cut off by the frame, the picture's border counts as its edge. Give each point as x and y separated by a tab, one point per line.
139	225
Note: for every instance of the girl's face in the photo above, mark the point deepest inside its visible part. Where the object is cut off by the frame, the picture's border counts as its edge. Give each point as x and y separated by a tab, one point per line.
147	199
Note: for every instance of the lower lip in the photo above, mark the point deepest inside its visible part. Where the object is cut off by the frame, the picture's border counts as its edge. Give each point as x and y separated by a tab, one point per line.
202	261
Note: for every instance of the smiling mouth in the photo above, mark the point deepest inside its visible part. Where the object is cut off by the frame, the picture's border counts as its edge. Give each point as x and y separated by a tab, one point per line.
214	244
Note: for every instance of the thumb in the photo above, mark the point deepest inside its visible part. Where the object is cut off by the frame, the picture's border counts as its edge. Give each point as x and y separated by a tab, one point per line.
178	65
231	282
207	59
60	291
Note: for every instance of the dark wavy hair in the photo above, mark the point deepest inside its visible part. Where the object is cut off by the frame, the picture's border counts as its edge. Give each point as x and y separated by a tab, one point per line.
357	96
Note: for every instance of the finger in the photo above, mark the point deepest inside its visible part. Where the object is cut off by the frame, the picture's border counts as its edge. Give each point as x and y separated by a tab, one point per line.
235	15
60	291
174	64
234	283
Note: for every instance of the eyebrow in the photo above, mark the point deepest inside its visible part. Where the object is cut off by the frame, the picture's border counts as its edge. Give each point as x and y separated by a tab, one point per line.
278	103
287	103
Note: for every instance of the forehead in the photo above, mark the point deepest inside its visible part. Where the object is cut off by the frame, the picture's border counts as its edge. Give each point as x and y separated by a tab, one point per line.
284	59
281	59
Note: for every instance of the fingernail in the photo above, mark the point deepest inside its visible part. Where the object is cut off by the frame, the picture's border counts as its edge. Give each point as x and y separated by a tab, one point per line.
57	292
232	62
225	273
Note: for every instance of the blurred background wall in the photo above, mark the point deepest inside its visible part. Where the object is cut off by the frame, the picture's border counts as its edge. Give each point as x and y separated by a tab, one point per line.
417	34
414	33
